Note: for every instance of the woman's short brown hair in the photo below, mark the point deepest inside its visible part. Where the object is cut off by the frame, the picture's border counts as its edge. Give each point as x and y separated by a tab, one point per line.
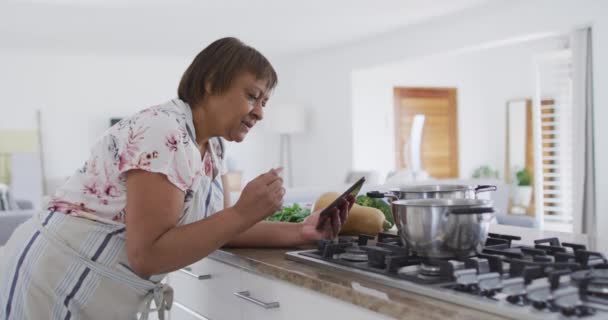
218	65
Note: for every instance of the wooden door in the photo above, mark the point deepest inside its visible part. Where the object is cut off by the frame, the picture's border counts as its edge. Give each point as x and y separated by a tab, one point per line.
439	148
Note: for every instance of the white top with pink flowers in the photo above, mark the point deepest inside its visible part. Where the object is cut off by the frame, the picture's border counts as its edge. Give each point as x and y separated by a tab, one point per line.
158	139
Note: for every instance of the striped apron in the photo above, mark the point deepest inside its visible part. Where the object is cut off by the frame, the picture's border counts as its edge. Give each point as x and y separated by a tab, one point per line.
57	266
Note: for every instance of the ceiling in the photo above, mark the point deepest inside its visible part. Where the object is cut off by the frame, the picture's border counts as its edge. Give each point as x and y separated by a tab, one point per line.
183	27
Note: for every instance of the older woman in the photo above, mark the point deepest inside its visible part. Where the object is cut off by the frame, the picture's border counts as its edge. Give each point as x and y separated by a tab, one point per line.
150	200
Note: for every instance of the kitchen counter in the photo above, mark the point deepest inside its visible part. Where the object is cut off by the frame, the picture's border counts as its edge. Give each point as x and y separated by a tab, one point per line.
376	297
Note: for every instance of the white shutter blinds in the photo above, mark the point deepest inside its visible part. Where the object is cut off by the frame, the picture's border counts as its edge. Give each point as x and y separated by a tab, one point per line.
553	122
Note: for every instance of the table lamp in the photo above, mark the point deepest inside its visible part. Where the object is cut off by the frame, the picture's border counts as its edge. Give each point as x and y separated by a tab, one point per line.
286	120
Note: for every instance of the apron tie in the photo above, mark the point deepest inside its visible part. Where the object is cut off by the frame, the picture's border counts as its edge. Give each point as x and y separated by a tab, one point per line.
162	295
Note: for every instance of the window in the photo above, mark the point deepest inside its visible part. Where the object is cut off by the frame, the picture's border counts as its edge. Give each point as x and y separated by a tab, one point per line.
553	136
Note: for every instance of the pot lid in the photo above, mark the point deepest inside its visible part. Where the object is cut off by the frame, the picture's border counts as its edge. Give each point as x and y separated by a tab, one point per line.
444	203
434	188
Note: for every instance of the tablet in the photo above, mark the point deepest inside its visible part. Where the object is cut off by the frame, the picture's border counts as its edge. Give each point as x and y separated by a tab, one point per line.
326	213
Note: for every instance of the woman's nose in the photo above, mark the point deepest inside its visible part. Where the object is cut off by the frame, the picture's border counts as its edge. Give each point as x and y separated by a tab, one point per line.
258	112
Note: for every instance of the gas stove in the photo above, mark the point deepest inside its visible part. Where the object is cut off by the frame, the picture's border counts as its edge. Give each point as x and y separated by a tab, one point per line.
548	279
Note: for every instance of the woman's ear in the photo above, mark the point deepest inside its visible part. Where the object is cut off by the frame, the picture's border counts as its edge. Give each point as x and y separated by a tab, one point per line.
208	88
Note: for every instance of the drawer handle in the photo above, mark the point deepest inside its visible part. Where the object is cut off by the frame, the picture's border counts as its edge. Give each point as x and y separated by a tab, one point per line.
187	270
245	295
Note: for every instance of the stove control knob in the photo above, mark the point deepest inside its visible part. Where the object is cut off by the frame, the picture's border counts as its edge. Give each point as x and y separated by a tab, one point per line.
466	276
584	311
514	286
568	311
489	283
539	305
467	280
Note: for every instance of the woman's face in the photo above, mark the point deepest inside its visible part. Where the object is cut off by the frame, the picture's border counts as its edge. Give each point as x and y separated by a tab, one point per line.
238	109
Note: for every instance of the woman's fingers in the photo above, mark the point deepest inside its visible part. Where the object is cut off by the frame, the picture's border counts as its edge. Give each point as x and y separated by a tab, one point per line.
344	213
351	200
336	223
276	185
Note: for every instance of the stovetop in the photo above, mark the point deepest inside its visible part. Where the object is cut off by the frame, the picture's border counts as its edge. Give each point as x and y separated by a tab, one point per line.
546	280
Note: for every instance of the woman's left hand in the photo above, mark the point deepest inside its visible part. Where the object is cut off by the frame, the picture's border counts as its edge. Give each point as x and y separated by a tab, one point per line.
331	227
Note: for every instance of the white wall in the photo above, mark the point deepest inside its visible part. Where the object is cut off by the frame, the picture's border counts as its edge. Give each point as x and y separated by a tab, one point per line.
485	79
77	96
322	79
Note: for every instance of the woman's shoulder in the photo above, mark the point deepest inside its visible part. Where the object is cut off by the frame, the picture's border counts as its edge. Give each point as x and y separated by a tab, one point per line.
165	116
159	131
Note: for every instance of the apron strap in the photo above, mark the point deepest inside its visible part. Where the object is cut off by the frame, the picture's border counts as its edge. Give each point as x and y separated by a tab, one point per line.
162	296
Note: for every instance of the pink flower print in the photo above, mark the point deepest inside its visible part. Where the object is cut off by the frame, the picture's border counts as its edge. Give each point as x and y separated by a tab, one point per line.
131	148
120	216
145	159
111	191
171	141
90	188
175	172
67	207
208	167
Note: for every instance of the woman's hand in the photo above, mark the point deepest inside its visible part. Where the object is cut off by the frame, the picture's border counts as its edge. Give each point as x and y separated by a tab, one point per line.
330	227
262	196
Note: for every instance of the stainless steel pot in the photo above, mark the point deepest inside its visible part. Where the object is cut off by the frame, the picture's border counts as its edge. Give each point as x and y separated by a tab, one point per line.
443	228
433	192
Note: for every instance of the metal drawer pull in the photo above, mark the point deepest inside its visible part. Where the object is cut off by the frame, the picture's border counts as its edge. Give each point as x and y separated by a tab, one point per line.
187	270
245	295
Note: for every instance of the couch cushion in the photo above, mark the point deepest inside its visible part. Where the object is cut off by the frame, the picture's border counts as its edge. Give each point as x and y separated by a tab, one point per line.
10	220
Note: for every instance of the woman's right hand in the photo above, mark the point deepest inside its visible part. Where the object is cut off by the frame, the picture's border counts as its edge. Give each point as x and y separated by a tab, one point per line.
262	196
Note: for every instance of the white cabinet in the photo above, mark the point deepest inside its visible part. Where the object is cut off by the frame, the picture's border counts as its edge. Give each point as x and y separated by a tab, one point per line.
181	312
208	288
217	291
294	303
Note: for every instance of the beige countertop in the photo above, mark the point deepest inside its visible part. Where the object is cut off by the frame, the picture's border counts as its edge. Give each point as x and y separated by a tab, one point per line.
376	297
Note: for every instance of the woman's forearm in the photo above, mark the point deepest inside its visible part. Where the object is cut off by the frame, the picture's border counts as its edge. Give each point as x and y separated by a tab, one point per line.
184	245
269	234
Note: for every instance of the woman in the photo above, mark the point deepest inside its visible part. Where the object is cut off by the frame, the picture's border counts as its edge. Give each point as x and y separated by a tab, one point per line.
149	201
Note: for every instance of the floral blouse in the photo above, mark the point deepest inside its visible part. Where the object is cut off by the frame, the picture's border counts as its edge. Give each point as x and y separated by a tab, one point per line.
159	139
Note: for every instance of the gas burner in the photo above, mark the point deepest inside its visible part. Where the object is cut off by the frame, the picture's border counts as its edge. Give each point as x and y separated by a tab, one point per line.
594	290
429	270
541	279
599	288
599	272
354	254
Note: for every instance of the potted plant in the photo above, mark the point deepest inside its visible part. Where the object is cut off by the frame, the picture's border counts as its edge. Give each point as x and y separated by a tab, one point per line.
485	172
522	194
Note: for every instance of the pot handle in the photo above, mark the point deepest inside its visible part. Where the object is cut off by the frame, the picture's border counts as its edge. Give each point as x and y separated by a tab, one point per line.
380	195
485	188
472	210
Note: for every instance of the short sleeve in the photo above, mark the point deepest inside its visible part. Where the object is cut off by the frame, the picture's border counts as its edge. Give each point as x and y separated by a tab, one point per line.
156	142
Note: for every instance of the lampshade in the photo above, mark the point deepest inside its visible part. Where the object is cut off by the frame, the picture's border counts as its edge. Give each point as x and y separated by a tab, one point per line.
285	118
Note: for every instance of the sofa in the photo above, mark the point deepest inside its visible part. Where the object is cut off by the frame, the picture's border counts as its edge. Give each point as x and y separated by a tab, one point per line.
11	219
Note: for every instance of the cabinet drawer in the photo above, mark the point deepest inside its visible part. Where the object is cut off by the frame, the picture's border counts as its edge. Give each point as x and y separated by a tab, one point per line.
181	312
296	303
207	288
